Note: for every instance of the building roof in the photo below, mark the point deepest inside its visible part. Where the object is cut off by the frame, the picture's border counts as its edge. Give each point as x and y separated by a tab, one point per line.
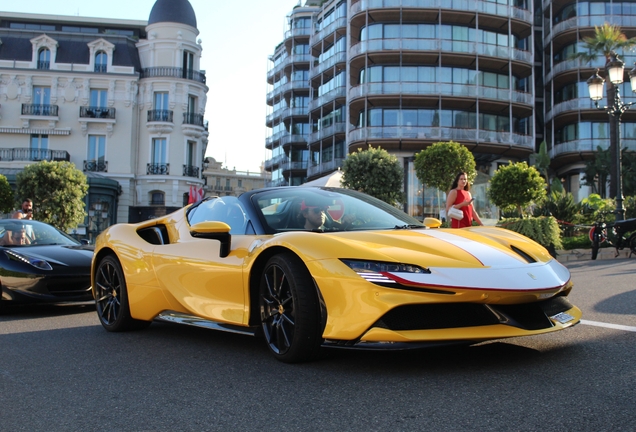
178	11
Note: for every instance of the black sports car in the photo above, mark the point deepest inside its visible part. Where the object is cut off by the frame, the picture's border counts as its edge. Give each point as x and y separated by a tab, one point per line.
41	264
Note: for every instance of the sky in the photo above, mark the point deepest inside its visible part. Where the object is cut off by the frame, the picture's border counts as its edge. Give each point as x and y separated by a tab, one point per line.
237	38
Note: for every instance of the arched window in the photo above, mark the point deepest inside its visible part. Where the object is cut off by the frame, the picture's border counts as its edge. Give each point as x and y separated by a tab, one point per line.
101	61
157	198
44	59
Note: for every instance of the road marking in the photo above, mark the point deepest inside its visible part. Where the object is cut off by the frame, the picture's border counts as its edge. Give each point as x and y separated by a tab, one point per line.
607	325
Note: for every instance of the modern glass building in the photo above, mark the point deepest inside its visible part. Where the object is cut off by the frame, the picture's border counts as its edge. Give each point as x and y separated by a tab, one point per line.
403	74
574	128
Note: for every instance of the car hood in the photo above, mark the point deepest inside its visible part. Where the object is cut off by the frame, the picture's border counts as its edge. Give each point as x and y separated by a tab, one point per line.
480	258
71	256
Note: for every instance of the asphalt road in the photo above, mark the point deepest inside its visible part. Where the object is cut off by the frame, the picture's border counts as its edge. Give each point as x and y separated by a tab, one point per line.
60	371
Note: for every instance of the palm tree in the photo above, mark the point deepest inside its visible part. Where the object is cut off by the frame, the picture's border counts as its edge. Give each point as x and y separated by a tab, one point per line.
607	40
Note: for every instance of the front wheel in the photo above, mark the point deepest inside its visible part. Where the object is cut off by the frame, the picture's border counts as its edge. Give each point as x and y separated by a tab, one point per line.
290	313
595	236
111	297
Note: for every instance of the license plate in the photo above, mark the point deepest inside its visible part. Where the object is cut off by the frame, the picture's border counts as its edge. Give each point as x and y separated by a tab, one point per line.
562	317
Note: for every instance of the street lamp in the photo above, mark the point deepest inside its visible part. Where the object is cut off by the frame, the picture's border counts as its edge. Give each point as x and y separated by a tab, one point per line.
614	69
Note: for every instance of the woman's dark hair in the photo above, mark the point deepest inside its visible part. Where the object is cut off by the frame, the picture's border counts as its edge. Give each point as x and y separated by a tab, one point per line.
456	181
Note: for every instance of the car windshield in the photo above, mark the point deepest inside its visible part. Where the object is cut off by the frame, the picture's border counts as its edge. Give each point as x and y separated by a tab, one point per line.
20	232
327	209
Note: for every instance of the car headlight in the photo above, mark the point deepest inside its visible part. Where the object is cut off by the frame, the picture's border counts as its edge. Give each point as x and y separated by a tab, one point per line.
379	272
35	262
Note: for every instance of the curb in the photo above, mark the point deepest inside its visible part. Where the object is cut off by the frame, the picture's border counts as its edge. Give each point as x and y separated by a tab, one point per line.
586	254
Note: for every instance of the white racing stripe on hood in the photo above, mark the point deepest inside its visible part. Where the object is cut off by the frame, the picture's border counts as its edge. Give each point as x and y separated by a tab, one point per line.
501	271
487	255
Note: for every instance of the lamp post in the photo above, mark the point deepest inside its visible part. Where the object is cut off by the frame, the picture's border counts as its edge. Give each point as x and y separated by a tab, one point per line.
614	69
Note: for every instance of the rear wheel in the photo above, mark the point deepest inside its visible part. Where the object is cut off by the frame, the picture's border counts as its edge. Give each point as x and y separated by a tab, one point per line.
111	297
290	313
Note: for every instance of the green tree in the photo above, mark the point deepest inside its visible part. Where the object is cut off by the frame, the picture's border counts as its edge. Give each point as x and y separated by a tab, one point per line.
6	195
516	185
597	171
375	172
608	39
438	165
57	190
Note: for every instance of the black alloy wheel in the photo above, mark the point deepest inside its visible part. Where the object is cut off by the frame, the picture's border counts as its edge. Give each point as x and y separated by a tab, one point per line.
111	297
290	313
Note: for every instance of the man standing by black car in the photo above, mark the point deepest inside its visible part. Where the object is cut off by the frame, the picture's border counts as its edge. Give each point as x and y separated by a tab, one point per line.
26	212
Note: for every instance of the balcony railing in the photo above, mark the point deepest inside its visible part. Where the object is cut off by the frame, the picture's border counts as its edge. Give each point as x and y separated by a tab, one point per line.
157	169
97	112
193	119
101	68
190	171
27	154
95	166
44	65
173	72
160	116
40	110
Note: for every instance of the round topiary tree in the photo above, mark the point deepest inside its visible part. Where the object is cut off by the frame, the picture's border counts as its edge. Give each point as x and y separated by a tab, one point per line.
57	190
516	185
438	165
375	172
6	195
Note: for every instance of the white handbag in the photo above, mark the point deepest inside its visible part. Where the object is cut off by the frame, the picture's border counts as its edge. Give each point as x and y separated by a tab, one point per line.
455	213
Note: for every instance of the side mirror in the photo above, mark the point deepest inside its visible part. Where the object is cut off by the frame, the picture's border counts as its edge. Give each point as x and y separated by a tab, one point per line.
430	222
85	241
214	231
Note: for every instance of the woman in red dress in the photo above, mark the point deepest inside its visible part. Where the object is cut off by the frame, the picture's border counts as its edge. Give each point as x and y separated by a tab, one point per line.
460	198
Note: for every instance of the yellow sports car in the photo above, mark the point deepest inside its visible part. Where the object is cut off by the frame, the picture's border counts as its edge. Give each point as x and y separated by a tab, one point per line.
309	268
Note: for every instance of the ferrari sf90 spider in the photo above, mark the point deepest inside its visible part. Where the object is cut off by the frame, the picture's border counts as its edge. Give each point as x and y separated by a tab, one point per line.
309	268
40	264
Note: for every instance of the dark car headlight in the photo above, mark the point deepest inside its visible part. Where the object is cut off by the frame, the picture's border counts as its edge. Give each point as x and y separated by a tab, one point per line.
35	262
376	271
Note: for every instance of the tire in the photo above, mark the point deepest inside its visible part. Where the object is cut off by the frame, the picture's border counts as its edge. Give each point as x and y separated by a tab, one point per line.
111	297
290	312
596	243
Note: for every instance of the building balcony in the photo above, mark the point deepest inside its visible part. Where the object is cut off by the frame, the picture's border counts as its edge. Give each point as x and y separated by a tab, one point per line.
328	132
165	116
193	119
481	6
589	21
325	167
88	112
173	72
589	146
435	134
439	45
439	89
296	32
158	169
330	96
290	139
274	162
28	154
340	57
339	23
217	188
270	140
40	110
572	65
190	171
95	166
101	68
288	166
